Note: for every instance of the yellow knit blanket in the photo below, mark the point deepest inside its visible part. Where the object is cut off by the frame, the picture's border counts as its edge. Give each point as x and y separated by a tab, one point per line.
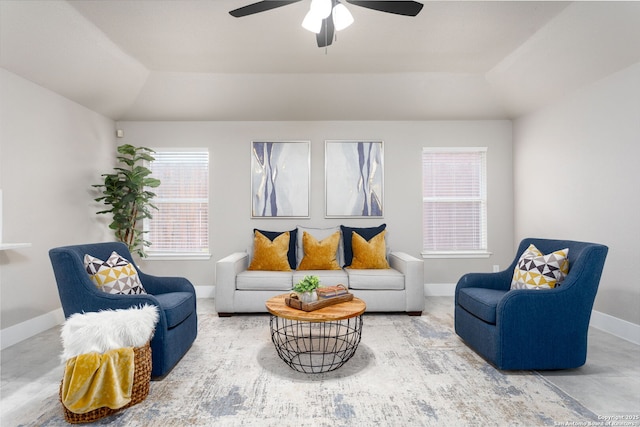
96	380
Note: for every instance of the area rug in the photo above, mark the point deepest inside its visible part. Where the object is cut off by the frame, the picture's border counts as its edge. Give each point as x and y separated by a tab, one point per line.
407	371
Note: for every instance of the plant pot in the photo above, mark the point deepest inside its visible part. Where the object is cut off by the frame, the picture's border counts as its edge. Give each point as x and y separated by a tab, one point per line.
307	296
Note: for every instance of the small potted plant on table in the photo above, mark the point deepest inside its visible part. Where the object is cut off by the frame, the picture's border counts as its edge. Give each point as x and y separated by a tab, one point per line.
306	288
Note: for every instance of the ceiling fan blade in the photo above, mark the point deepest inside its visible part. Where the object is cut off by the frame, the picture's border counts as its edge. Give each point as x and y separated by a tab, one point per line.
261	6
407	8
325	36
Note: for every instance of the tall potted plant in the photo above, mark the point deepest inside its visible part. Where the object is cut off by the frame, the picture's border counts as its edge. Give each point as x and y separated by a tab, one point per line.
126	192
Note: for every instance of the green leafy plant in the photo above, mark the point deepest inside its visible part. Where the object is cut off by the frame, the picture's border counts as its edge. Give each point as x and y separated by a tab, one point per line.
126	191
307	284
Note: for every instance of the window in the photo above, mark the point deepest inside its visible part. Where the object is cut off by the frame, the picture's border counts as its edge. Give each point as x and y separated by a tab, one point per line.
454	202
180	226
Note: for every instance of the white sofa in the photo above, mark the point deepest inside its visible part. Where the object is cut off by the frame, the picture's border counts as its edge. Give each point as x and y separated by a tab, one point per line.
398	289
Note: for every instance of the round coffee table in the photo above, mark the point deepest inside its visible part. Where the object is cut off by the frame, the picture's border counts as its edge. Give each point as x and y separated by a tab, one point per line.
316	341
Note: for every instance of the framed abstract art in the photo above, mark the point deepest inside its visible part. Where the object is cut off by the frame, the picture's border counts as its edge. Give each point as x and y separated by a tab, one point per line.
354	179
280	179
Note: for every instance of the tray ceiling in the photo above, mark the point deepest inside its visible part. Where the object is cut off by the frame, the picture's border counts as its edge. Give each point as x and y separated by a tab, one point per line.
190	60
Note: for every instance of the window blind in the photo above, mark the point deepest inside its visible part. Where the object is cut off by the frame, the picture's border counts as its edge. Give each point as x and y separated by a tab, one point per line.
454	200
180	226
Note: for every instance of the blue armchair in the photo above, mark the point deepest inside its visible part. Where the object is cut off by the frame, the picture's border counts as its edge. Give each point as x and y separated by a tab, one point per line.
531	329
174	296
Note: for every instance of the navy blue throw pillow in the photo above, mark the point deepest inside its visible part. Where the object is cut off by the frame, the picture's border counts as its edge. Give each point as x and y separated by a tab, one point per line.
367	233
291	253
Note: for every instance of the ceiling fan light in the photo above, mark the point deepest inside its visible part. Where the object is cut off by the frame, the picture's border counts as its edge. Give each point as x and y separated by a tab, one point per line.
312	22
342	18
321	8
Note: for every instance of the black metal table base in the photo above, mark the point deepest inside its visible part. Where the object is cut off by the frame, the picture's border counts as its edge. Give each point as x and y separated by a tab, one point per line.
316	347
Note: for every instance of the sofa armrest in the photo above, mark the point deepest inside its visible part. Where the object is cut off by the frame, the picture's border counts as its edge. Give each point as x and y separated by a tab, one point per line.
498	281
156	285
226	271
105	301
413	270
525	318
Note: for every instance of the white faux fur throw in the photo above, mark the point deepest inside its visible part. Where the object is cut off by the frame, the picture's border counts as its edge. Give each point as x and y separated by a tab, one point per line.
107	330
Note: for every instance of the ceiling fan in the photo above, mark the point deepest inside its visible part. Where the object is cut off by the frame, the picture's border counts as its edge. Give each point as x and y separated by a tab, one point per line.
325	17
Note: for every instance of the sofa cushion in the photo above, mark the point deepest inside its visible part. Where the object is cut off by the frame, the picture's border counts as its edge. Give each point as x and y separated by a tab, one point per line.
327	277
367	232
264	281
369	254
177	306
320	255
481	302
376	279
293	241
270	255
116	275
535	270
319	234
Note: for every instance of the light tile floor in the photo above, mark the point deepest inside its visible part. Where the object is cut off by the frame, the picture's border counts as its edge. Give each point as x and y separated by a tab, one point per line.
608	384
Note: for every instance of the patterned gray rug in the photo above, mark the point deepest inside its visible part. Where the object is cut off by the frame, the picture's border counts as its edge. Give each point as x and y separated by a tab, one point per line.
407	371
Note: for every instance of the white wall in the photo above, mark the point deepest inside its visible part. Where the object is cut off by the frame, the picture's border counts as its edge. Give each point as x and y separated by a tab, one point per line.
229	145
51	151
577	176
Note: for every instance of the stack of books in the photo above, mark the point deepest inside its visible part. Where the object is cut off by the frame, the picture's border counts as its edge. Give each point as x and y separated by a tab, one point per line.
331	291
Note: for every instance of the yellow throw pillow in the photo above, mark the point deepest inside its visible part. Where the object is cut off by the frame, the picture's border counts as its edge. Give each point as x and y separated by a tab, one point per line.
270	255
371	254
320	255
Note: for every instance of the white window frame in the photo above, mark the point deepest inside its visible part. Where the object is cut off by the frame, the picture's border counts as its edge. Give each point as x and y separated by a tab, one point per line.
481	251
179	255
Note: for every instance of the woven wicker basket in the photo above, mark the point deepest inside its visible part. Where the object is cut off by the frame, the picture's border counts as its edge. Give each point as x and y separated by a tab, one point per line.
139	392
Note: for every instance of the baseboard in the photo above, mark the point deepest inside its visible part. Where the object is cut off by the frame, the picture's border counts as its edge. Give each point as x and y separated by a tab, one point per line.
20	332
205	291
439	289
618	327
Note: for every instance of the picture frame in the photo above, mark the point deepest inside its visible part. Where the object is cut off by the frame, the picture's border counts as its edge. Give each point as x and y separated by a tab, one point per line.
354	179
280	179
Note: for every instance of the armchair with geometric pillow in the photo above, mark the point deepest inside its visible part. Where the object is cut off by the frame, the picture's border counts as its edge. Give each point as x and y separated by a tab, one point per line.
535	314
103	276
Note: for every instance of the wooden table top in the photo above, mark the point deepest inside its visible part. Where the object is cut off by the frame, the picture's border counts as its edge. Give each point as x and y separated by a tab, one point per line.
344	310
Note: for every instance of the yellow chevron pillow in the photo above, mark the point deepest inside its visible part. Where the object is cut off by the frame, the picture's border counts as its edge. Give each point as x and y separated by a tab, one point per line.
116	275
535	270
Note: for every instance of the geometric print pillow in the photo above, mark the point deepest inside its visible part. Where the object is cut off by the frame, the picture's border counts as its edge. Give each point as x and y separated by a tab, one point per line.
535	270
114	276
